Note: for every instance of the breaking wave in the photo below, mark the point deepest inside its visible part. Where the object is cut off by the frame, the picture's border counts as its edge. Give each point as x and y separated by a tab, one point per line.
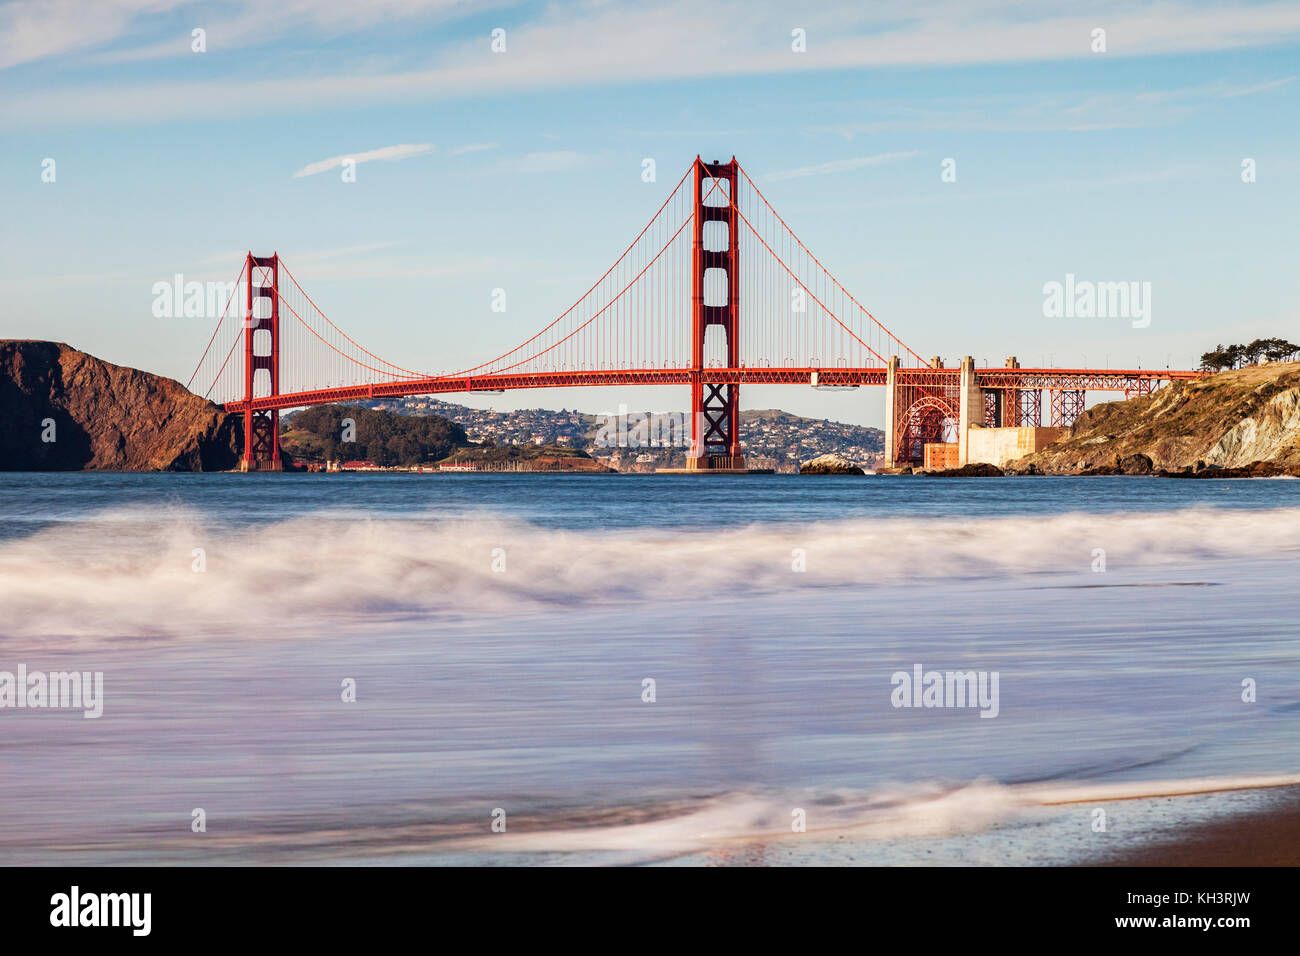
138	572
887	813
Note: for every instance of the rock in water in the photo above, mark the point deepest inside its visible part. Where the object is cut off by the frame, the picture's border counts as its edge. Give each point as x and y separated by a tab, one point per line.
831	464
1135	465
65	410
976	469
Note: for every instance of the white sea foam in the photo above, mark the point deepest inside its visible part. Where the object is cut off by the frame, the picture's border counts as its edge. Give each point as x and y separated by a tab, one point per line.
128	573
899	813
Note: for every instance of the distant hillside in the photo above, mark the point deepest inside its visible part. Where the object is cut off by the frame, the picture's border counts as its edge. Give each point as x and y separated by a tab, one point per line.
103	416
774	432
1230	420
763	433
318	434
526	457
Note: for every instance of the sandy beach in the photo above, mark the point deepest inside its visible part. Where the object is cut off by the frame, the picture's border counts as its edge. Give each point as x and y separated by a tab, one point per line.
1269	836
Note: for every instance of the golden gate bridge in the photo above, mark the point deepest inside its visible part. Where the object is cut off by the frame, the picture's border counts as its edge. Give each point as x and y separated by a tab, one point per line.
667	312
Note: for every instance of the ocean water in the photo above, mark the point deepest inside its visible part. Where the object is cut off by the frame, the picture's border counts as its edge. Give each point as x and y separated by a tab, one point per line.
500	631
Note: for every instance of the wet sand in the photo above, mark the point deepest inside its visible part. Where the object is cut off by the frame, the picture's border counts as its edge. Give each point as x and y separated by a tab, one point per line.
1267	837
1234	827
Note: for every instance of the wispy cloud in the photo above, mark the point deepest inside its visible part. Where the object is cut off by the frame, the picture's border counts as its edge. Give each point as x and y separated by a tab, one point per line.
1257	88
401	151
37	29
472	148
839	166
130	31
579	44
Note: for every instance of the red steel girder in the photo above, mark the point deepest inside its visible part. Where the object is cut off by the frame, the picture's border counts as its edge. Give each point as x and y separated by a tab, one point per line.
1067	406
435	385
744	375
1029	407
1097	380
992	408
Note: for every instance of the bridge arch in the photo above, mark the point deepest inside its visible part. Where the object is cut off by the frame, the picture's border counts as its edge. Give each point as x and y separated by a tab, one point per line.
930	418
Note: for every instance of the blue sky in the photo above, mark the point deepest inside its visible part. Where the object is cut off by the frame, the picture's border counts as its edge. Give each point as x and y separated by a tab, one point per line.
526	167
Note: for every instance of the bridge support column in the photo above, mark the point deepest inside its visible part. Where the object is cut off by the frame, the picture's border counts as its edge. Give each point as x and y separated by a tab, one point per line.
715	406
262	428
891	410
1067	405
970	404
1011	401
1030	407
992	407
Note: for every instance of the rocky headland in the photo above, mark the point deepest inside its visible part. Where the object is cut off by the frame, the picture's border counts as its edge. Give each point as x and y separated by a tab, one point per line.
64	410
1240	423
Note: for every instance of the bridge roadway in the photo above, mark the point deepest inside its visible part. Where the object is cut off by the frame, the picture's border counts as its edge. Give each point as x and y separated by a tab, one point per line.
1118	380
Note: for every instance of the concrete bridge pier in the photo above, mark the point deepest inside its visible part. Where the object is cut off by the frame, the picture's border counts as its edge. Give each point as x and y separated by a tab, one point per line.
891	389
970	404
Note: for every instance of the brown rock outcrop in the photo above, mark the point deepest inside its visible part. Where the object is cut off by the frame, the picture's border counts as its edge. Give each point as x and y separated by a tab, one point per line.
1259	469
103	416
1230	420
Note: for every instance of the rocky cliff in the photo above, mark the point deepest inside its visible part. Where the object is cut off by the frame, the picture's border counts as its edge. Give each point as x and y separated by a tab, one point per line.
1246	420
61	409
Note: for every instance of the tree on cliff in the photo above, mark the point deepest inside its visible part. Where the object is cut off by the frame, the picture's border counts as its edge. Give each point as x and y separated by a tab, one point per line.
1235	356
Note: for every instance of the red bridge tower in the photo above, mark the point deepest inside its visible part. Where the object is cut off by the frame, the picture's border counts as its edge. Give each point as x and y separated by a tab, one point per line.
262	427
715	406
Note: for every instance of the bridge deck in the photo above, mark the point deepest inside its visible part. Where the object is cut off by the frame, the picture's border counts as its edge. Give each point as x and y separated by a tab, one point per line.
1119	380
